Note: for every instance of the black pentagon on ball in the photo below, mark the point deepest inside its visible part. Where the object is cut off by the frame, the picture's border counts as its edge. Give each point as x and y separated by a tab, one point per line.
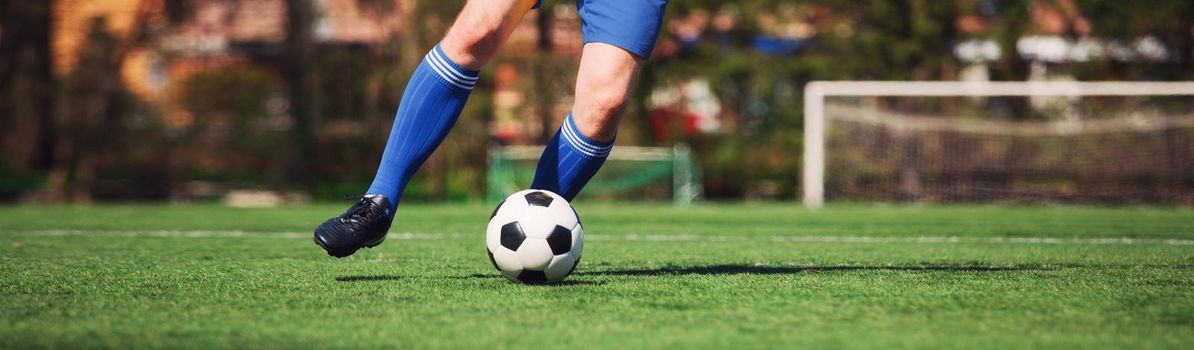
532	277
495	209
560	240
538	198
512	236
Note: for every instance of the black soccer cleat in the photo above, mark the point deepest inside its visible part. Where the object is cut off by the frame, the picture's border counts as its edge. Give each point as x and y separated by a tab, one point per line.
363	225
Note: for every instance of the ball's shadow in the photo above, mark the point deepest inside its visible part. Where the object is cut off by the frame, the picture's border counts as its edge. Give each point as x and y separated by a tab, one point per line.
735	269
566	282
738	269
391	278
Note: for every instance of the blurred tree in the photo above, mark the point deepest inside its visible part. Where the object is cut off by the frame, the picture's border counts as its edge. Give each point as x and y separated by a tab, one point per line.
234	138
1169	22
299	73
27	89
93	108
543	74
87	116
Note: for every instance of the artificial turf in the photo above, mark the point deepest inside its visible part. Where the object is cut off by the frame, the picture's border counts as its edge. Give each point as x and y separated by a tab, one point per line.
653	276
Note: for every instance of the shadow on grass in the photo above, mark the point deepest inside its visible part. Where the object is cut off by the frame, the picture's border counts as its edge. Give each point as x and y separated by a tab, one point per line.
569	283
368	278
566	282
730	269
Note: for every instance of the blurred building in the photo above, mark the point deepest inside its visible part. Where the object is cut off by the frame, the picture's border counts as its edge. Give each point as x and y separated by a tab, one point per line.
212	34
219	34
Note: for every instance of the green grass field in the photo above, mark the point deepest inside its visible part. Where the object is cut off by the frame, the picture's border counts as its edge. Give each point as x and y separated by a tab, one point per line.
710	276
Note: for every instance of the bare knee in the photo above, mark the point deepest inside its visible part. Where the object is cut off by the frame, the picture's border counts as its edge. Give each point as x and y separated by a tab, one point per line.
602	89
598	110
480	30
470	47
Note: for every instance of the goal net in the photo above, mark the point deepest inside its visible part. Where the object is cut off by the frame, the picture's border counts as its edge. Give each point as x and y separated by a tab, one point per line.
1101	142
630	173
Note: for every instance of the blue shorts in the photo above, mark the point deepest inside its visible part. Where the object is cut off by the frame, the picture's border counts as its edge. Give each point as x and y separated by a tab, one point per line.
632	25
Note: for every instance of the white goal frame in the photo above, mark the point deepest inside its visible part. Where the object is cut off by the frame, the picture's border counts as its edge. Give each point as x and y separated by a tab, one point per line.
813	181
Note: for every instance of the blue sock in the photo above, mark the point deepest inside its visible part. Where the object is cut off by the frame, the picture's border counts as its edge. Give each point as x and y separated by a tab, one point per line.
430	105
569	161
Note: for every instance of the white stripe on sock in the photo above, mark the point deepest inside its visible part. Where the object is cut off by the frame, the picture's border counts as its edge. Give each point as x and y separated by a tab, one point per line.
572	135
445	62
577	143
443	73
598	149
572	141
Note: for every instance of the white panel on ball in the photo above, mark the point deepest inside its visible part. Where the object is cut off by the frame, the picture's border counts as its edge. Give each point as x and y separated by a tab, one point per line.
535	254
578	240
509	210
493	236
537	222
561	265
564	216
506	260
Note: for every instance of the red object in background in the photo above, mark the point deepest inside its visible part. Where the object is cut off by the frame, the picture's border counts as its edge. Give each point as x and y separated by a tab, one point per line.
506	133
692	123
661	123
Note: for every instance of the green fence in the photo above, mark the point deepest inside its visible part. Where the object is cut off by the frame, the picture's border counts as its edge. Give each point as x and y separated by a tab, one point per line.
650	173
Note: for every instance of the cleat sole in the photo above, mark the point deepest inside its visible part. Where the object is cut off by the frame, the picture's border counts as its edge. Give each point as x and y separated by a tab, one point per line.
337	253
370	245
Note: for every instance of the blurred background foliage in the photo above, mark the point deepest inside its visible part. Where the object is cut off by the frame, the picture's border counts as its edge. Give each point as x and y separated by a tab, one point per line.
186	99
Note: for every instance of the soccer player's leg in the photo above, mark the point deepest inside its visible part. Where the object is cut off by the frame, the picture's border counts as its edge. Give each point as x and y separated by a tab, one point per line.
430	105
586	136
618	36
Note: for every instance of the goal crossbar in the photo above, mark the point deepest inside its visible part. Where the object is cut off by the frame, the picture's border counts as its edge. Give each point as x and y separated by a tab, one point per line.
813	180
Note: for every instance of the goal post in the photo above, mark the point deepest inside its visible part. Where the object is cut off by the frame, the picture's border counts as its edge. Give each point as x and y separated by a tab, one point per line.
630	172
816	121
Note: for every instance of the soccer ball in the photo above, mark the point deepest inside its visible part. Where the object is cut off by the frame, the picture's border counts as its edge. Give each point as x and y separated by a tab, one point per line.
534	236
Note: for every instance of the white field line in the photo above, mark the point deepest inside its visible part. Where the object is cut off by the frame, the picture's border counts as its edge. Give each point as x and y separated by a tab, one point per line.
655	238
